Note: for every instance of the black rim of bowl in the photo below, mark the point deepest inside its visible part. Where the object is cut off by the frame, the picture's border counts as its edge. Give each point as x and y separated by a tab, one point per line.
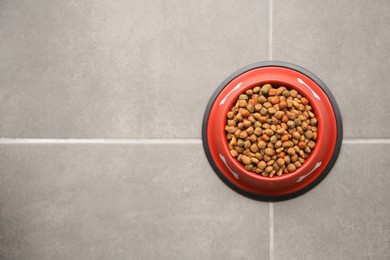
337	114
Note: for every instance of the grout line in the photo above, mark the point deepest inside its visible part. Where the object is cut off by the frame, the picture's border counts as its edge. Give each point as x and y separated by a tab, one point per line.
153	141
366	141
98	141
271	205
271	232
270	24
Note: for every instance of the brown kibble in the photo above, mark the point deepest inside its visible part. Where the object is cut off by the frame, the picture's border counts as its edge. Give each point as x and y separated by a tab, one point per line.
282	105
230	115
296	135
269	151
304	101
293	93
234	153
231	129
278	150
262	144
252	138
301	145
294	157
272	92
271	110
311	144
274	100
246	159
280	162
268	169
297	164
250	130
278	114
271	162
287	159
291	151
265	137
242	103
257	131
291	167
261	165
280	90
258	107
284	138
254	148
313	121
245	113
247	123
231	123
269	132
274	121
262	99
287	144
254	160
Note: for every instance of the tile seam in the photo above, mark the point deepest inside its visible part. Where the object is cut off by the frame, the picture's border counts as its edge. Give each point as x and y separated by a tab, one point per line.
271	205
271	232
156	141
97	141
270	32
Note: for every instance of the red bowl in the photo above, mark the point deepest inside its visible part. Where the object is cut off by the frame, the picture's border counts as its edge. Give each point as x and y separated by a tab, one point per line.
316	166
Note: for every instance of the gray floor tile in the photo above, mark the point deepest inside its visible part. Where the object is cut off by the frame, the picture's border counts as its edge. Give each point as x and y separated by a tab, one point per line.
346	217
127	201
346	44
120	69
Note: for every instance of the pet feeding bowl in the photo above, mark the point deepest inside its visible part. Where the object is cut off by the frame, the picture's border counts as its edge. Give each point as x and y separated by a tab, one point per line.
316	166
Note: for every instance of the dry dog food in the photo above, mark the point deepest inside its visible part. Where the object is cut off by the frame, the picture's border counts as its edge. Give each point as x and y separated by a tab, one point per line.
271	130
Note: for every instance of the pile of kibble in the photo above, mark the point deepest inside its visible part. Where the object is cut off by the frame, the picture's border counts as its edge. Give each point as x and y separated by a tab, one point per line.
271	130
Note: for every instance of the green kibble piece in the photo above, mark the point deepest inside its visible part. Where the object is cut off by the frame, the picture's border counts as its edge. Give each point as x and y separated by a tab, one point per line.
240	142
263	111
309	134
276	166
256	89
257	124
273	139
265	89
290	124
286	93
247	144
249	167
243	97
297	121
251	108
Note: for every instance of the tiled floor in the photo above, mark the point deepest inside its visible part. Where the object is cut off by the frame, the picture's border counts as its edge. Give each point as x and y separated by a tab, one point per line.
128	81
